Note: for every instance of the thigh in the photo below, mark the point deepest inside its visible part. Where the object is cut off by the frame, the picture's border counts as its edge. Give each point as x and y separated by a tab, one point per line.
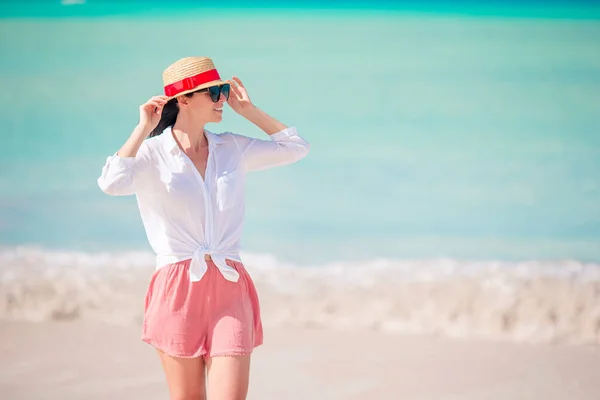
185	377
228	377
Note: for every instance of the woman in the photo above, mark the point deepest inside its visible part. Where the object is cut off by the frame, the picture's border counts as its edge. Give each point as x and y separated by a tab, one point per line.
201	312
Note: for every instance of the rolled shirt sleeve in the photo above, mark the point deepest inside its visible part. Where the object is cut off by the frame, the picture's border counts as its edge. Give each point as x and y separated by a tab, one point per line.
282	148
121	175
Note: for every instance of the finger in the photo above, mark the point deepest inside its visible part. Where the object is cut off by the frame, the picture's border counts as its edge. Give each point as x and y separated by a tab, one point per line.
153	107
158	110
234	83
236	90
238	81
159	99
152	103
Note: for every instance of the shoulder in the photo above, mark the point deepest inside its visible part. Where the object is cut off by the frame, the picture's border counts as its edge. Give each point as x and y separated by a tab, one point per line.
230	139
228	136
154	144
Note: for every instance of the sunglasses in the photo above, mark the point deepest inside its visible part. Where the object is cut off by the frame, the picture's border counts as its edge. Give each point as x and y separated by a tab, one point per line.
216	91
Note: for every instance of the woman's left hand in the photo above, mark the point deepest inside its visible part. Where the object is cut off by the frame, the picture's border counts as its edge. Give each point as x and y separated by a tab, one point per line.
238	97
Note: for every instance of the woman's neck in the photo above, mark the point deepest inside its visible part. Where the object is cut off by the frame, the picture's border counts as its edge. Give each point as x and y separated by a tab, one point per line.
189	133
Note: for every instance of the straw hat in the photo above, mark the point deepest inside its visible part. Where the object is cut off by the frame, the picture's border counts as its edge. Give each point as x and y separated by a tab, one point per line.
188	75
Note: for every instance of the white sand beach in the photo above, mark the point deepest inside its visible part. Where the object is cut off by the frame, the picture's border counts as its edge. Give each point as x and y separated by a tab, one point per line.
86	360
70	329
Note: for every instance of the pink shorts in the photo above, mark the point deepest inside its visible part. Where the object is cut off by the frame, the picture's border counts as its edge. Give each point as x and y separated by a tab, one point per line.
212	317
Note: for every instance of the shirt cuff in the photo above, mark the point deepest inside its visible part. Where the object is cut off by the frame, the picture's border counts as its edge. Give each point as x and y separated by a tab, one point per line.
284	134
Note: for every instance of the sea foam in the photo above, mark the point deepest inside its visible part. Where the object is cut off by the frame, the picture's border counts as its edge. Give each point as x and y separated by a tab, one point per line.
530	301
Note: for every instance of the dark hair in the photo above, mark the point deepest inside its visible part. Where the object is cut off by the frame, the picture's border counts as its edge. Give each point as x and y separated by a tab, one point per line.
169	115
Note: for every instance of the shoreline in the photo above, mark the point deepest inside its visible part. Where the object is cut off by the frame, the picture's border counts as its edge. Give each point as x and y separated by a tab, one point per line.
517	302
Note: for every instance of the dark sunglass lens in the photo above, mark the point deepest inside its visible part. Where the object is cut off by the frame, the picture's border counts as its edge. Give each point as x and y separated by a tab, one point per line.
225	90
215	93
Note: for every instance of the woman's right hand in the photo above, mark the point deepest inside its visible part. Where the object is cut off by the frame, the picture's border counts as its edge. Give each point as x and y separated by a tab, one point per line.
151	111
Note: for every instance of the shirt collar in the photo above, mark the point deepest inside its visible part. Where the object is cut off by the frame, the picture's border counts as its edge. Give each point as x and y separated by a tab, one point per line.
213	139
170	144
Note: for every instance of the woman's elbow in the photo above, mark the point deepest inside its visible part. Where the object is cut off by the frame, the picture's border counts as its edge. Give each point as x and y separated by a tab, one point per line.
114	188
302	150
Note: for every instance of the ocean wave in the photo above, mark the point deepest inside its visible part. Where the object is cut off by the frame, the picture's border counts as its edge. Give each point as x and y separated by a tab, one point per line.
531	301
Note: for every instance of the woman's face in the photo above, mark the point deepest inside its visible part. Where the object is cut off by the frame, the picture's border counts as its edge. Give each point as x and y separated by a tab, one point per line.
202	108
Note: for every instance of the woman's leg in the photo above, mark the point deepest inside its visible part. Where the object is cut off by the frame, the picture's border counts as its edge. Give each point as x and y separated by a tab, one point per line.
185	377
228	377
233	333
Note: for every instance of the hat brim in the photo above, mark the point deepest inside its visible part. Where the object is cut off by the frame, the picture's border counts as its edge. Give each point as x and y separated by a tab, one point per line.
199	87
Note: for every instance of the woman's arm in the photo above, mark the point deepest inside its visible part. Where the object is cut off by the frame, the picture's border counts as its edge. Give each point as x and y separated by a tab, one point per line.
263	120
133	144
121	171
285	145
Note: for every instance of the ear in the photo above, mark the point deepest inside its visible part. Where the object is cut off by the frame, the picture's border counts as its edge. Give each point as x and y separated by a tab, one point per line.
183	101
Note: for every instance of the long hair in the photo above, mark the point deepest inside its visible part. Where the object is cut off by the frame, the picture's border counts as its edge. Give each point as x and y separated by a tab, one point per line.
169	115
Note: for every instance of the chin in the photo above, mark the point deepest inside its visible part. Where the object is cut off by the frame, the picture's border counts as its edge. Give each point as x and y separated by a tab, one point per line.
216	118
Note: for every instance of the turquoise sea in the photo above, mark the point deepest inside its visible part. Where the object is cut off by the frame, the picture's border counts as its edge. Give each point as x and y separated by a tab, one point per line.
459	130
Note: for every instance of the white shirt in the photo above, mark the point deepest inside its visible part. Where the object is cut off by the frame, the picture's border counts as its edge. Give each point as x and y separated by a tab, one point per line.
186	216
